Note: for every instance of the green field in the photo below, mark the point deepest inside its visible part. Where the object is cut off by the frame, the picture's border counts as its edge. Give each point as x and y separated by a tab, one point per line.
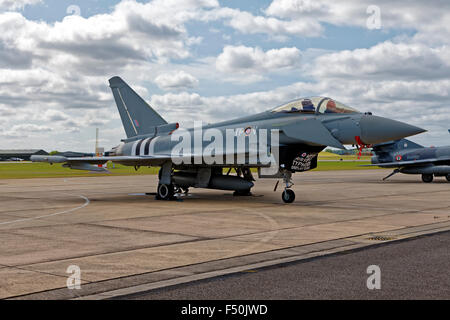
343	165
332	156
43	170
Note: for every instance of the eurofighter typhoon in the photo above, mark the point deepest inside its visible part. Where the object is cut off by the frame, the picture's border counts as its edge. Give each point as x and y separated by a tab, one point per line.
407	157
278	142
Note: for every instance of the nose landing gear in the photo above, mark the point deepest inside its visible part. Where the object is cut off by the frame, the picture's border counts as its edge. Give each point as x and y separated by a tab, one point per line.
288	194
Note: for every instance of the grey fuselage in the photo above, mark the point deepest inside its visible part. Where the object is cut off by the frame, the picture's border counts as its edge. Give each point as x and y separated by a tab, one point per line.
298	132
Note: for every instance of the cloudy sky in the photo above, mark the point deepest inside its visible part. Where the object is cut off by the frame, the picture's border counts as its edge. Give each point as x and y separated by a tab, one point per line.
214	60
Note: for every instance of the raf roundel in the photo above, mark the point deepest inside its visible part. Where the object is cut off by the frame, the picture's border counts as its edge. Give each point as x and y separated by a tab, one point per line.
398	157
247	131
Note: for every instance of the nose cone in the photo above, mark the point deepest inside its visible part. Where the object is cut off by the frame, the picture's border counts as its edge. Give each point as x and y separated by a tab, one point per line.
377	129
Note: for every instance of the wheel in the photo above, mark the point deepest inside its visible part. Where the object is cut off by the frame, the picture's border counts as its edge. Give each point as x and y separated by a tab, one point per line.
427	178
288	196
165	192
447	177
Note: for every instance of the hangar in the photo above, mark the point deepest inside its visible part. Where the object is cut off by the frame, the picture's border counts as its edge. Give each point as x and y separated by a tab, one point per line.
24	154
74	154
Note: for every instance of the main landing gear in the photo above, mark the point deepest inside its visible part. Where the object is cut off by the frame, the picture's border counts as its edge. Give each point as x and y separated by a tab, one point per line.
170	192
165	191
427	178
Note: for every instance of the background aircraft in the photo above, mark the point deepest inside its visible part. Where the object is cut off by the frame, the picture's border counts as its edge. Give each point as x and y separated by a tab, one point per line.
306	126
411	158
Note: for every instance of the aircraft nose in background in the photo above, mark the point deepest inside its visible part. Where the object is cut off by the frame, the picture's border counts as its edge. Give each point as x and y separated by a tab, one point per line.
378	129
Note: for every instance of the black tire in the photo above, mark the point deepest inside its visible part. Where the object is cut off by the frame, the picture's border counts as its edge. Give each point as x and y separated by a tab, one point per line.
242	193
427	178
165	192
288	196
447	177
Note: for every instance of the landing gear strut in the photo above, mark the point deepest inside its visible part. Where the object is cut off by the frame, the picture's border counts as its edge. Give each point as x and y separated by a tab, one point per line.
166	189
288	194
393	172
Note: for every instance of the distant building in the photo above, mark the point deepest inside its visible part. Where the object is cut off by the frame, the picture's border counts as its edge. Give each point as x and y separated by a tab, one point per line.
23	154
74	154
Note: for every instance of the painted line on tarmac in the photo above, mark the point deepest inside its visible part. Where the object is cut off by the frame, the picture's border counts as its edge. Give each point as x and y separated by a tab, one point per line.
356	243
85	204
268	234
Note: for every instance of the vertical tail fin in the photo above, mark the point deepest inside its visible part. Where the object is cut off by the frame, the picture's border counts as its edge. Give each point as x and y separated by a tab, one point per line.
385	152
136	114
407	144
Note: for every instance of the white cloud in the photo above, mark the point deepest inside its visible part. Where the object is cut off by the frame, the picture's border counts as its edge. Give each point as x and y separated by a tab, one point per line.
395	14
178	99
180	107
247	59
217	108
133	33
55	116
30	128
386	60
428	18
420	102
177	80
55	74
247	23
24	130
17	4
320	10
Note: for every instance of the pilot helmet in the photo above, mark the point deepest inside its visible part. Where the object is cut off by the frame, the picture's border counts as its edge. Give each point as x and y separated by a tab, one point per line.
307	104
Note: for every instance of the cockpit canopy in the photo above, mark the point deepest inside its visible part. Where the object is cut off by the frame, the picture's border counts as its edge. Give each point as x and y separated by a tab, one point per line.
314	105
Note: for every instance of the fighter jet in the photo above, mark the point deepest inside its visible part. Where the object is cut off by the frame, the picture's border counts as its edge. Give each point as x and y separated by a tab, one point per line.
411	158
288	138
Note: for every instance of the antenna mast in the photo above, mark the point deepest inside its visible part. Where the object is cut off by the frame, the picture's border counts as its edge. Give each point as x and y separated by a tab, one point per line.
96	141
